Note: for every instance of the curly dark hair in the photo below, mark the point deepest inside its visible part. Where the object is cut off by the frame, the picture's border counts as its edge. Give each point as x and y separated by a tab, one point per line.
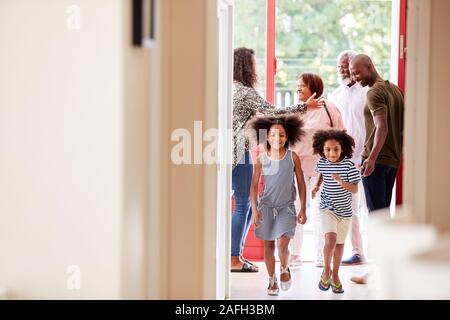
244	68
345	140
258	128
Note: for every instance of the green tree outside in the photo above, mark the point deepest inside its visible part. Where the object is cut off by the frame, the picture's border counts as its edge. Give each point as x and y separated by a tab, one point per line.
311	33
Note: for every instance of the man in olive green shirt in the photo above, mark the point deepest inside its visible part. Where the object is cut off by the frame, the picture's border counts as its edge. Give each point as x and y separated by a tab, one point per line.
383	115
384	132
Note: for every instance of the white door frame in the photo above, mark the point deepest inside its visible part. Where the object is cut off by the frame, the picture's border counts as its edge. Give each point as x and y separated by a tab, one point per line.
225	80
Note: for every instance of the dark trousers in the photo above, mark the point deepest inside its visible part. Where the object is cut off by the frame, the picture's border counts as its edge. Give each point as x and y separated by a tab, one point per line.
378	187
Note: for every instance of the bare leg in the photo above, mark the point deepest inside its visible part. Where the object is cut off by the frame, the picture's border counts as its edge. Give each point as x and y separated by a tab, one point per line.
337	257
328	252
283	254
269	256
269	259
236	263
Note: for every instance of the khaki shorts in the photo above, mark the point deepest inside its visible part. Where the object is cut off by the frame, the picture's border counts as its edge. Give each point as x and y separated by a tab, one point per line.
335	224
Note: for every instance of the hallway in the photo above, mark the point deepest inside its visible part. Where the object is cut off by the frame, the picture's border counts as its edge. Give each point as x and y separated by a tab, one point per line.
305	278
96	204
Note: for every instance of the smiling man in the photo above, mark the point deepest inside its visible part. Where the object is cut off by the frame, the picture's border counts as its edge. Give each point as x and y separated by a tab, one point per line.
383	116
384	132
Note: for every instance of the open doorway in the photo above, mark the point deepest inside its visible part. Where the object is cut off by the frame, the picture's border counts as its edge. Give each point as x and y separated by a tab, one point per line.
294	36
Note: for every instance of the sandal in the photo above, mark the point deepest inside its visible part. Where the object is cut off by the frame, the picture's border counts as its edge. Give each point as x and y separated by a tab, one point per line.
295	261
271	289
324	285
246	268
285	285
337	288
250	263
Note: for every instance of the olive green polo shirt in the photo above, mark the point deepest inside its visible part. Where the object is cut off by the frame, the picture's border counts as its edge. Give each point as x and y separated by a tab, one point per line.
385	98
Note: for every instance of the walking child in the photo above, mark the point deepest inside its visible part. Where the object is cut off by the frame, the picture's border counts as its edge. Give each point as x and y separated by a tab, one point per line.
340	179
274	215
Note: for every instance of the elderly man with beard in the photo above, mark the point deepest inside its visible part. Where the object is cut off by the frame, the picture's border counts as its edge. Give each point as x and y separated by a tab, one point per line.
350	98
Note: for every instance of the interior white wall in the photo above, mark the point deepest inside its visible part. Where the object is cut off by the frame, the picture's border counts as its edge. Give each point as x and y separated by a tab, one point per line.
438	171
427	113
184	263
137	90
73	151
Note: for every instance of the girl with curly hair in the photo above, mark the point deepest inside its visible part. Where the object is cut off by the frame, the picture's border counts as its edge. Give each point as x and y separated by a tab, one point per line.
246	104
274	215
340	179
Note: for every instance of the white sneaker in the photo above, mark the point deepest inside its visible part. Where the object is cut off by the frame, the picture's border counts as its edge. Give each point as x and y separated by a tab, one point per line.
319	262
295	261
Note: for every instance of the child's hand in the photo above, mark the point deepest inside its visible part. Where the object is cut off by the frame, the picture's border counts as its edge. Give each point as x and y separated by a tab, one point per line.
301	217
256	218
336	177
314	191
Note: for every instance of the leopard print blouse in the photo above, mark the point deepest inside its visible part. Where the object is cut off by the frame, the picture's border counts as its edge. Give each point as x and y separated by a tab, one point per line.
246	103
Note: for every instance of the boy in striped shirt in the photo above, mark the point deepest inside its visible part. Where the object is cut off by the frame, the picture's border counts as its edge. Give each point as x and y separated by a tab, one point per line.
340	179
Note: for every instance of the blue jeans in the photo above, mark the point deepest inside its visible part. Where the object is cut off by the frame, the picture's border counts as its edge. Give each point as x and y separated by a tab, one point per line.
241	220
378	187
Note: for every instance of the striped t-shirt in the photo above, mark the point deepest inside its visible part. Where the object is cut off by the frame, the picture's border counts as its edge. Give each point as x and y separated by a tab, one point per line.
333	195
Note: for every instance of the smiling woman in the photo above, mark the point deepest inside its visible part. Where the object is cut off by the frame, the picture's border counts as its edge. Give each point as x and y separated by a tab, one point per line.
309	36
324	118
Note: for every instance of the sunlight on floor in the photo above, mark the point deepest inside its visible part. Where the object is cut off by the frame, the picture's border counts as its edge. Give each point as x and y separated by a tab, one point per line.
305	279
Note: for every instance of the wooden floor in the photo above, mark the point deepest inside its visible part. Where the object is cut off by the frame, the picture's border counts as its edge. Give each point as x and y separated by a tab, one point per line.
305	280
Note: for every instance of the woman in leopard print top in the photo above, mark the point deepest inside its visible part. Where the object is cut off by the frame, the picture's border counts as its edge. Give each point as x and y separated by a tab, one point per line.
246	103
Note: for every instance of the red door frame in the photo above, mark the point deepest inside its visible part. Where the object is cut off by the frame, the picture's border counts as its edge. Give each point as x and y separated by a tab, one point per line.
402	45
401	84
271	65
254	247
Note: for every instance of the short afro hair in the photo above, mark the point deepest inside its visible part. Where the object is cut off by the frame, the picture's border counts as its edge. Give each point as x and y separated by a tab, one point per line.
345	140
258	128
